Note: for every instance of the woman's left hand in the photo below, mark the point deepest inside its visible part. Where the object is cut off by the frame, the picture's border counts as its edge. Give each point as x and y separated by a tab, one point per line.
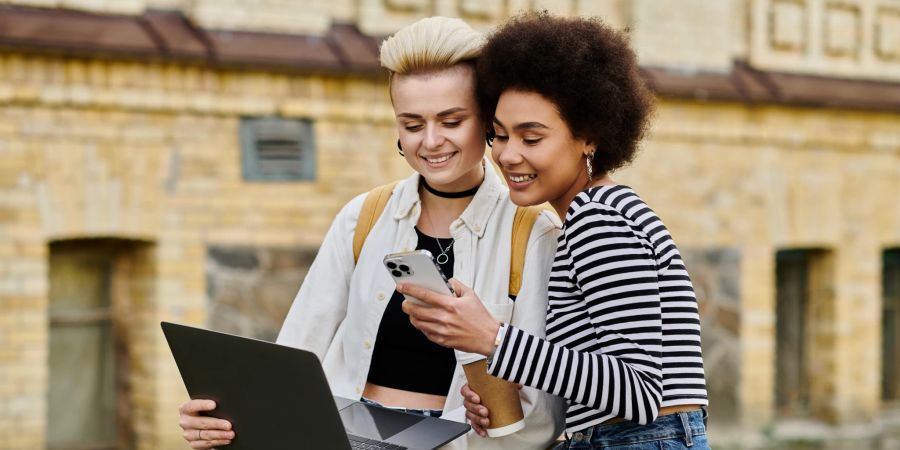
462	323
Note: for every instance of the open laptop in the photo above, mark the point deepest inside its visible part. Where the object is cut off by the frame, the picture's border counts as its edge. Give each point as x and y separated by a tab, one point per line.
277	397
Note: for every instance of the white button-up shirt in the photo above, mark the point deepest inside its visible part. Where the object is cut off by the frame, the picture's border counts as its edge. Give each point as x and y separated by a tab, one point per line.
338	309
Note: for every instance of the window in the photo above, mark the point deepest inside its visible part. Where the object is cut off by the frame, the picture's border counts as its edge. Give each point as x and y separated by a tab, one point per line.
805	318
791	376
277	149
890	339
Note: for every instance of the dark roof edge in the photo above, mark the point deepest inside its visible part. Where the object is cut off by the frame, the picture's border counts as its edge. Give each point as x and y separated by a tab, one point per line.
168	36
746	84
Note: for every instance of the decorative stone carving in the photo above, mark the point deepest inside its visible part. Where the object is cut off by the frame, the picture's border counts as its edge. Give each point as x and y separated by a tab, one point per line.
887	33
788	24
838	38
842	30
481	9
408	5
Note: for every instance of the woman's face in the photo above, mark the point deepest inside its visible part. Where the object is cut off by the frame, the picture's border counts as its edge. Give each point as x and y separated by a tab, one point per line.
441	132
535	149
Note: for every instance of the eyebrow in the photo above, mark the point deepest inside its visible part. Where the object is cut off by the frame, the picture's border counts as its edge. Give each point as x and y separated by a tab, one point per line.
524	125
443	113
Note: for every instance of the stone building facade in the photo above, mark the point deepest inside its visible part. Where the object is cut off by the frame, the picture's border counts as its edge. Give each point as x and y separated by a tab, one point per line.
774	159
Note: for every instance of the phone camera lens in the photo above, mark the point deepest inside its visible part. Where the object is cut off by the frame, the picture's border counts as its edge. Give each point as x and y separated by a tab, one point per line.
397	273
391	265
404	268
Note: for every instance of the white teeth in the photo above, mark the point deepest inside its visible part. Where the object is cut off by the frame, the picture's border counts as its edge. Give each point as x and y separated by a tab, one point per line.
523	178
439	160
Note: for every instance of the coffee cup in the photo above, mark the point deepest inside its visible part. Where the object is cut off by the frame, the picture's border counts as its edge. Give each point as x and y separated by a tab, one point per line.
499	396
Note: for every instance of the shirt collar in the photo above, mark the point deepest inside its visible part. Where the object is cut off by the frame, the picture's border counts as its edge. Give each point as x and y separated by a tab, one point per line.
476	214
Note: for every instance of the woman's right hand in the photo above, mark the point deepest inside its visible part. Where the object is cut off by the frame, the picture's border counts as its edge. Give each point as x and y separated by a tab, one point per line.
475	411
202	432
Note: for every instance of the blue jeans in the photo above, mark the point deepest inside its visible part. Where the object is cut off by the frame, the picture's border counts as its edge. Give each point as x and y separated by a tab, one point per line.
680	431
420	412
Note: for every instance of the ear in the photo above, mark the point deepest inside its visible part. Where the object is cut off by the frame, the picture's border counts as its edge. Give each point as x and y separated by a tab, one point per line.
588	148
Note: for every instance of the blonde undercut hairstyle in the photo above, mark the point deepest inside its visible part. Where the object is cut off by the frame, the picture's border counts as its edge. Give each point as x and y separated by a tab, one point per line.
430	44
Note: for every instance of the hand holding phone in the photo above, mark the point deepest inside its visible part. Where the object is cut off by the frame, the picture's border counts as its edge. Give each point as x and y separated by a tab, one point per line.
418	267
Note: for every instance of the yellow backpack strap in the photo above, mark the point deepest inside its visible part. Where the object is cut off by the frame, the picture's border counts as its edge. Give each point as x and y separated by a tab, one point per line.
523	222
372	208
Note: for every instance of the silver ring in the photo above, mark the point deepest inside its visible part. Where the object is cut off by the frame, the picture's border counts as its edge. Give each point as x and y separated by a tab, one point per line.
199	435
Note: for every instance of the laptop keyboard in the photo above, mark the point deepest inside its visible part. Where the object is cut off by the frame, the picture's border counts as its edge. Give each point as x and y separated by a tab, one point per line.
361	443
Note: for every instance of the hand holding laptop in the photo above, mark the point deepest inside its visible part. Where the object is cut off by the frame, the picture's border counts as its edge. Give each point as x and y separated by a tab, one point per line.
202	432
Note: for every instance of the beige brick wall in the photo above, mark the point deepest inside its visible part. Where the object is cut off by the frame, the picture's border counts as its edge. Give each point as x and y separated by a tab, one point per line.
151	152
766	178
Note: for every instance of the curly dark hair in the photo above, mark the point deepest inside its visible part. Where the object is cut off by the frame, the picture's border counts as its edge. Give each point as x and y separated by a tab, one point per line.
583	66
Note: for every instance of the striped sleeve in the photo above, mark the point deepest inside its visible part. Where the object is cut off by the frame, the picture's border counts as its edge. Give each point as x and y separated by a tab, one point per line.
604	325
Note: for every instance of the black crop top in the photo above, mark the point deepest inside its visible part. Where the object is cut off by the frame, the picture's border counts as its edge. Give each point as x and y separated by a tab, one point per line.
403	357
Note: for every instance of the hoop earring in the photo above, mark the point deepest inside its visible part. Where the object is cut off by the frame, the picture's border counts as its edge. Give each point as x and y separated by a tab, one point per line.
590	167
399	148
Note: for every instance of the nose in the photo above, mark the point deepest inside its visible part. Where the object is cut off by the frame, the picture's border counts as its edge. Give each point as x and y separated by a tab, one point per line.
505	154
433	137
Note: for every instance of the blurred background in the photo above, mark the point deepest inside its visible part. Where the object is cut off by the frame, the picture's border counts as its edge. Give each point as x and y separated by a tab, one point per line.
181	160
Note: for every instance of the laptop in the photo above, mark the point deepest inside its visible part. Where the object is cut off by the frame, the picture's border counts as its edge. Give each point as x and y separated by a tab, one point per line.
277	397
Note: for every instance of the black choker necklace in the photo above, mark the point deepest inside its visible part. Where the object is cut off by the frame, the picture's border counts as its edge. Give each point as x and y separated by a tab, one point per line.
463	194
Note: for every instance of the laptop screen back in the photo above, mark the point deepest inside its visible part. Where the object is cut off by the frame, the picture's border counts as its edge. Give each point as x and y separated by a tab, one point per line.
271	394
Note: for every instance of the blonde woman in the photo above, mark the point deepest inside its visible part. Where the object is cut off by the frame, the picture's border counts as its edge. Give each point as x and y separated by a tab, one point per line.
456	207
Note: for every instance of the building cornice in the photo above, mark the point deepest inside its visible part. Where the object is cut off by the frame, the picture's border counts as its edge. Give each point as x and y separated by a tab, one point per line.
168	36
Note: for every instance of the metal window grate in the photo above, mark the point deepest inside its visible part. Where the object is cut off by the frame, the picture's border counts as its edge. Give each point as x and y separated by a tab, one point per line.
277	149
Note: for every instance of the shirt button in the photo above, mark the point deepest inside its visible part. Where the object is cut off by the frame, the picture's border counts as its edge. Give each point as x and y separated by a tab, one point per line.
358	390
380	295
367	344
477	228
578	436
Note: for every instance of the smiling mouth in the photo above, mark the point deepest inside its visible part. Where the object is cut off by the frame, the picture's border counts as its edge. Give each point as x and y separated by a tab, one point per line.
522	178
438	159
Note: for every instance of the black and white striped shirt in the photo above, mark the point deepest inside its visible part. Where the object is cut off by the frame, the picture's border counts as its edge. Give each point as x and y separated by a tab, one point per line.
623	328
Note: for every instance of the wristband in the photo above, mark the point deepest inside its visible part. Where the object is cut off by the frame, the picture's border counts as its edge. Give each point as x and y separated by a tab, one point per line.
501	333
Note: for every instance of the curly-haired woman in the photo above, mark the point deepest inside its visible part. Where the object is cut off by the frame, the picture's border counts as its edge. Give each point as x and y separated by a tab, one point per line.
622	342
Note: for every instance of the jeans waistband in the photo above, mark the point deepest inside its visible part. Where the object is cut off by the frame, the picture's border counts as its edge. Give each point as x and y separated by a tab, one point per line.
684	425
421	412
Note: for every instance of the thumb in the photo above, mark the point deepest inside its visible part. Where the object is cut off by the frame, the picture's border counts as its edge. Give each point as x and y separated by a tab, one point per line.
459	288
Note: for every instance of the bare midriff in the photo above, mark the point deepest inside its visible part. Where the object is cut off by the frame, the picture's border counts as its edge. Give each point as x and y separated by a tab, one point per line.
403	399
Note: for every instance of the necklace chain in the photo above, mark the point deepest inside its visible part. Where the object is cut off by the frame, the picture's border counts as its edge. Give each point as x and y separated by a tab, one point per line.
442	258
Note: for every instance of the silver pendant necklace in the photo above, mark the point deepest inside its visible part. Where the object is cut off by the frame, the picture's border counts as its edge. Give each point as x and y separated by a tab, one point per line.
442	258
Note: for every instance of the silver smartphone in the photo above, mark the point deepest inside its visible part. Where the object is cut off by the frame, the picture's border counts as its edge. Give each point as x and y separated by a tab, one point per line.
418	267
